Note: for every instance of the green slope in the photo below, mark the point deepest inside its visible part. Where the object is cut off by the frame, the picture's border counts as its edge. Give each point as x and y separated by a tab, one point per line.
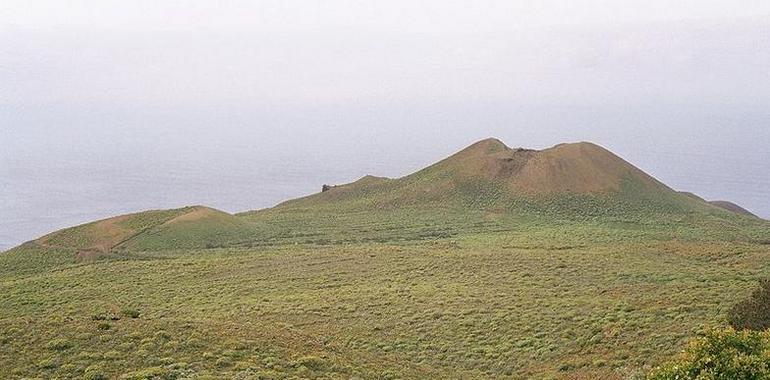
566	263
188	227
489	186
732	207
484	187
202	227
106	234
571	300
580	178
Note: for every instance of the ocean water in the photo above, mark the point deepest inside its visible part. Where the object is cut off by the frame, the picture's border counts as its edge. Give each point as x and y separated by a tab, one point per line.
71	170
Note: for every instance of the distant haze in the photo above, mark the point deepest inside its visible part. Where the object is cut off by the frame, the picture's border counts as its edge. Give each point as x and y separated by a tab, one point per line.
108	107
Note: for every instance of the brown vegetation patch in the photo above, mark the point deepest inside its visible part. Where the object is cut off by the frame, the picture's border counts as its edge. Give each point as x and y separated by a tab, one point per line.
197	213
89	255
580	168
575	168
97	236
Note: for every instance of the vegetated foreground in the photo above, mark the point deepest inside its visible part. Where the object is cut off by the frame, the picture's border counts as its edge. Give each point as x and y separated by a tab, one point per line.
441	274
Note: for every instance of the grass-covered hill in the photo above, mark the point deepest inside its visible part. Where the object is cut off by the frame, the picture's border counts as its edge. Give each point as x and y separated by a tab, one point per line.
489	175
489	186
188	227
493	263
486	186
730	206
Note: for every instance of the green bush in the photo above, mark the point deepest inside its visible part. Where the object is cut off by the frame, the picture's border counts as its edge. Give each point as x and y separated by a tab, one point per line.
112	355
58	345
94	372
153	373
754	312
95	376
103	326
172	371
311	362
722	354
130	313
48	363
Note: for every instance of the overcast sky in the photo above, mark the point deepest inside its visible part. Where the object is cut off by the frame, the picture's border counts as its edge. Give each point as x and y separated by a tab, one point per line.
412	16
338	52
346	88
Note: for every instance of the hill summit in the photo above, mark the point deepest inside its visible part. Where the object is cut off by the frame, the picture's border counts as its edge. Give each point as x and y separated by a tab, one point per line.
488	173
565	168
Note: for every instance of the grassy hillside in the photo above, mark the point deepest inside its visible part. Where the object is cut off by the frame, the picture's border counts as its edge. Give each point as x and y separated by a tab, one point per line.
106	234
188	227
491	187
730	206
493	263
568	180
202	227
539	301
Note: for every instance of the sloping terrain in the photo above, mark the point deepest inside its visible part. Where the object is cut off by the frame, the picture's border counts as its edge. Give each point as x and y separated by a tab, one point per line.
487	186
730	206
564	263
201	227
490	175
573	300
188	227
484	187
725	205
96	238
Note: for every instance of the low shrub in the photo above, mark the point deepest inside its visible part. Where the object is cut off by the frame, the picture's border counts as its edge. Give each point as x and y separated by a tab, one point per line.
130	313
754	312
58	345
112	355
152	373
48	363
94	372
722	354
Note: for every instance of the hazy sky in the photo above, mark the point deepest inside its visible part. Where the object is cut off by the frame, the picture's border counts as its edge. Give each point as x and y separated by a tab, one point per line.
338	89
412	16
341	52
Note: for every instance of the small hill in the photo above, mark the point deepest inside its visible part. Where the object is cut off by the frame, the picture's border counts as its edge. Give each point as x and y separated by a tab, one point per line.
489	187
724	205
201	227
490	175
730	206
104	235
693	196
188	227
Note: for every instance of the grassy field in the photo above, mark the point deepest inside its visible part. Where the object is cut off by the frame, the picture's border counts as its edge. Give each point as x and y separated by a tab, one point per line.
532	300
445	274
